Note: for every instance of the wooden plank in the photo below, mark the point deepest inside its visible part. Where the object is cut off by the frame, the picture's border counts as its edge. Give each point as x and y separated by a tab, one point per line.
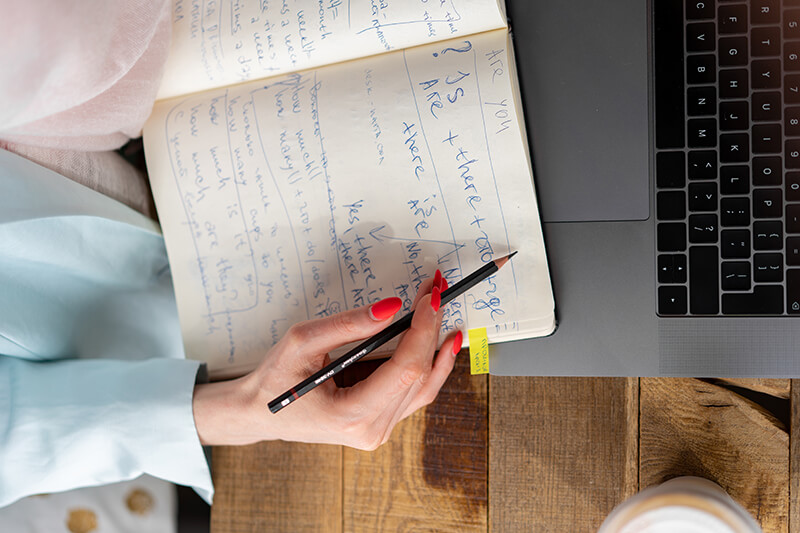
794	460
277	486
779	388
562	451
690	427
431	475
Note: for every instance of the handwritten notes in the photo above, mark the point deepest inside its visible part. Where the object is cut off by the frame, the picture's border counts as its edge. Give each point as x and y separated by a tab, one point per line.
325	190
220	42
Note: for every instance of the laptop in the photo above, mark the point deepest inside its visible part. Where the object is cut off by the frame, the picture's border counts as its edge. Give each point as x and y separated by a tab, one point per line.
665	137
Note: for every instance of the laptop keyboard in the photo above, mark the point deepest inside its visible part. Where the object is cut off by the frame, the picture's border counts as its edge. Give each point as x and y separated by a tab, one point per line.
727	134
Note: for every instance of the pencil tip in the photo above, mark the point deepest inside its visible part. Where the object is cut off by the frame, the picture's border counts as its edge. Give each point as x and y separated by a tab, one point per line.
503	260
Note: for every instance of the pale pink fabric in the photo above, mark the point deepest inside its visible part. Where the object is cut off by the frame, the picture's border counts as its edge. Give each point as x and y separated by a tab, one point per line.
80	74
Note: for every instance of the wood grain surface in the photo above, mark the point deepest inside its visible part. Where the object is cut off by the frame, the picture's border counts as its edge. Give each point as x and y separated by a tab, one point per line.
692	427
431	475
794	459
562	451
277	486
527	454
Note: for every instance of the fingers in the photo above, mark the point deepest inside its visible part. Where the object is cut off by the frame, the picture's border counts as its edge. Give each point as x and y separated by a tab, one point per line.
410	361
325	334
442	367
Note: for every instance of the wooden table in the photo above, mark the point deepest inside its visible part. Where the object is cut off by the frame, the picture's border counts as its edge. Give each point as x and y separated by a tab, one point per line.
526	454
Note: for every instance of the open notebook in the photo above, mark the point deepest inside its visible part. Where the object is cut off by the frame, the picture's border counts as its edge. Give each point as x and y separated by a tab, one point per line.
312	157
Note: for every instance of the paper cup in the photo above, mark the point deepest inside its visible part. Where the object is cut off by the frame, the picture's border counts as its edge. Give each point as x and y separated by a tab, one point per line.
685	504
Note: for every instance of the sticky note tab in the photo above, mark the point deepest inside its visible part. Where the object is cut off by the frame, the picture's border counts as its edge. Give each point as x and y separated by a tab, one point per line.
478	351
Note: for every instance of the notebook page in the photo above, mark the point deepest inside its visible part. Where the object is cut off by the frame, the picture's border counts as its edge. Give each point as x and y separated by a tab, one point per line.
330	189
222	42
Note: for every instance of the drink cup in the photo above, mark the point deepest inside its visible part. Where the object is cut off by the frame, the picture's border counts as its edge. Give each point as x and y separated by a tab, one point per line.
685	505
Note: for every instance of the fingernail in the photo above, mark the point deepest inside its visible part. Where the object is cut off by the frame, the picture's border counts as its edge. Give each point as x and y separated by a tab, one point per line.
436	299
437	279
459	338
385	308
444	284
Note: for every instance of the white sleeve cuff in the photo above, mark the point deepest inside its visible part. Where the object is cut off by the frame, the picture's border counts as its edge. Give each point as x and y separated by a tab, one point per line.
77	423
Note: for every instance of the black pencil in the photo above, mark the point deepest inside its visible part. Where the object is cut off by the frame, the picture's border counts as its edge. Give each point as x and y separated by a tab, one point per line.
381	337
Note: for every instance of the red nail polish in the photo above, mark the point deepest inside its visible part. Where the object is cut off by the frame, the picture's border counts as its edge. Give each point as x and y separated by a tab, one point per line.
459	338
444	284
436	299
385	308
437	279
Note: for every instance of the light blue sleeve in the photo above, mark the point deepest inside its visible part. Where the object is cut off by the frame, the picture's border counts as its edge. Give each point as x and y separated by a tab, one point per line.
74	423
94	387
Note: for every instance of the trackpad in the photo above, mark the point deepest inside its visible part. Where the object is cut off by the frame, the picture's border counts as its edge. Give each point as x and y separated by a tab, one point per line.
583	76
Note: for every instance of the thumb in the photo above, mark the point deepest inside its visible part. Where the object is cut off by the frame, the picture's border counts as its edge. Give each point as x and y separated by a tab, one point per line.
325	334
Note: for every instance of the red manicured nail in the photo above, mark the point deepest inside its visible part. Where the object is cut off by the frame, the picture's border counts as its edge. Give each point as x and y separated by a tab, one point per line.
457	340
437	279
444	284
385	308
436	299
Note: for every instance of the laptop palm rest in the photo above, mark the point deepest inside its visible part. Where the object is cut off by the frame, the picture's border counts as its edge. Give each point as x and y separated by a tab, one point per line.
583	74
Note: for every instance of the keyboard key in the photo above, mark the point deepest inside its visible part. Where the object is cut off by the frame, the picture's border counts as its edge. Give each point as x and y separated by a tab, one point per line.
671	205
734	115
767	170
767	203
767	139
668	64
792	153
703	196
704	280
732	51
701	69
768	268
768	235
791	88
791	24
765	74
793	218
735	243
792	189
735	276
791	121
702	165
699	9
735	211
671	236
700	37
793	291
734	148
733	83
791	56
765	11
672	268
701	101
733	19
670	170
734	179
793	251
672	300
766	106
702	132
764	300
765	41
703	229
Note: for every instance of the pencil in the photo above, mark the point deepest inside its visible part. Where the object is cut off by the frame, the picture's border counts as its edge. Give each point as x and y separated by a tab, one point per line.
381	337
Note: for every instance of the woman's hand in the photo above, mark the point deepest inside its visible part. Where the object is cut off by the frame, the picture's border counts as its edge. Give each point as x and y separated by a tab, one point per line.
361	416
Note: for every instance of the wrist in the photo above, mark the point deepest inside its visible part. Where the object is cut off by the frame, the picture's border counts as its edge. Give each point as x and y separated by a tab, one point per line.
226	413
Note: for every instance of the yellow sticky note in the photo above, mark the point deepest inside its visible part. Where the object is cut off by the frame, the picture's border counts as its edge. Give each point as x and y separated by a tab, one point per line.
478	351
